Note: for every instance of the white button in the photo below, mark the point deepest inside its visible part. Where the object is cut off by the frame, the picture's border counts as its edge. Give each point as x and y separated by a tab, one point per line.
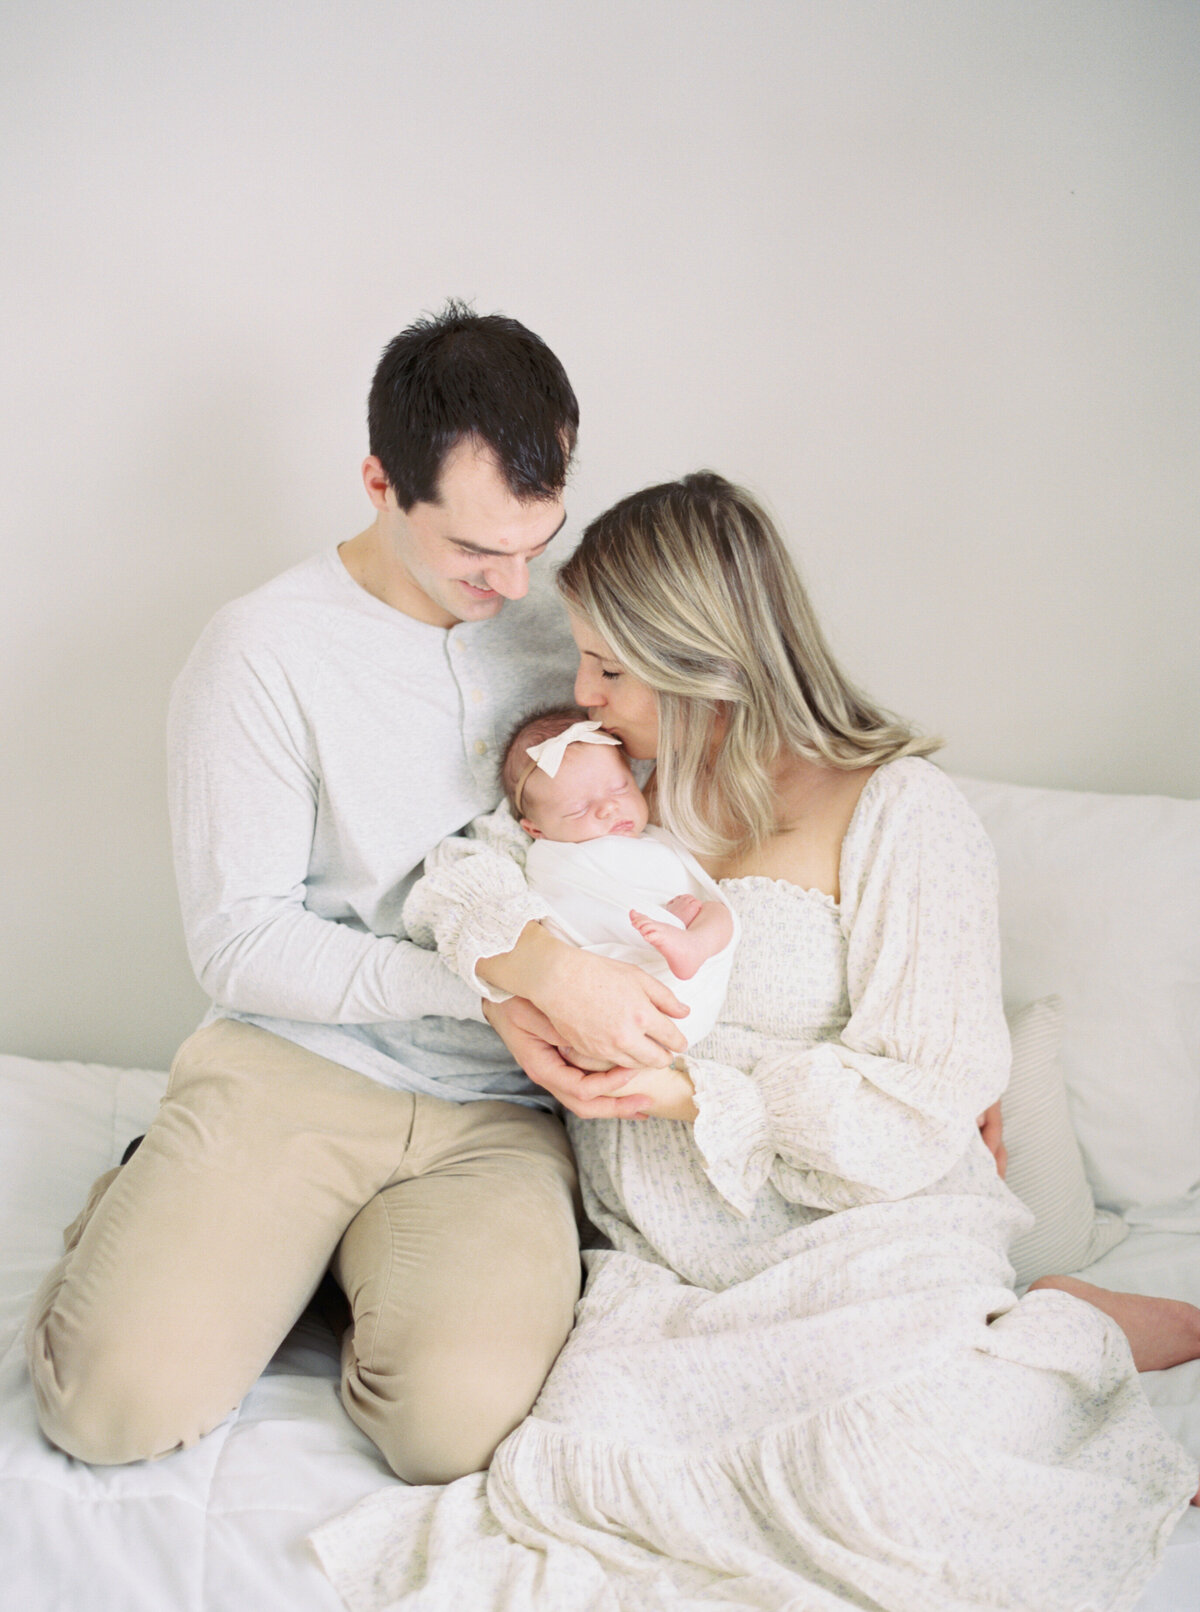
477	695
480	748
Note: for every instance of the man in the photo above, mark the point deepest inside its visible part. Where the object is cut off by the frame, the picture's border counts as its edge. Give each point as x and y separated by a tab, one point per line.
344	1105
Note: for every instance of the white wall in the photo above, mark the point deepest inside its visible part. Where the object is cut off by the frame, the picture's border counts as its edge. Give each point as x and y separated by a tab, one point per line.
923	274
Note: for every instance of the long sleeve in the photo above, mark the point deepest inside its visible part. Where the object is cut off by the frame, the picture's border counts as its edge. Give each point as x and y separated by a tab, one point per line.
889	1106
472	900
246	783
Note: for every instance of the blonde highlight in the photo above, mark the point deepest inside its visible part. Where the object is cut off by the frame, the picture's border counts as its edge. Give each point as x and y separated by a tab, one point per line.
691	586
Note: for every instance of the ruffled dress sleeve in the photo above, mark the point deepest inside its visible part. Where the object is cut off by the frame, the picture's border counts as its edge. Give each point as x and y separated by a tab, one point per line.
472	900
889	1106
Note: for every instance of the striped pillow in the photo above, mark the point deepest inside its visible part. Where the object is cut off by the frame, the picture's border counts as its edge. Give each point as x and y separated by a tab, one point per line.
1045	1166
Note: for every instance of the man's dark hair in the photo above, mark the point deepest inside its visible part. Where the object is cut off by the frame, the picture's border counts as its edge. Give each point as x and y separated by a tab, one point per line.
462	374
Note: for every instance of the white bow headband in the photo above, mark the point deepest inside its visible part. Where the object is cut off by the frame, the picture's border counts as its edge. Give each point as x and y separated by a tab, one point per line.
548	755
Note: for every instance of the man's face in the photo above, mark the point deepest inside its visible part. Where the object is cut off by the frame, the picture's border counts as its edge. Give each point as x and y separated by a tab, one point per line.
460	558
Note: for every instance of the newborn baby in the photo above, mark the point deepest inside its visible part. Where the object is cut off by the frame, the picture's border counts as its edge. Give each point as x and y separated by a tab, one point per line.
615	886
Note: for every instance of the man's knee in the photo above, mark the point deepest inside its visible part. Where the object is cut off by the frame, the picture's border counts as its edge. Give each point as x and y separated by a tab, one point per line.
463	1287
439	1393
446	1416
110	1406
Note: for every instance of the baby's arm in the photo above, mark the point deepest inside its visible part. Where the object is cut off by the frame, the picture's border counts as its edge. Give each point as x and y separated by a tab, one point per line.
708	929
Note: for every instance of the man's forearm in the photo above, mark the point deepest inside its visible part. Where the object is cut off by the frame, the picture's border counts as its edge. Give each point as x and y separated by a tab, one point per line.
296	965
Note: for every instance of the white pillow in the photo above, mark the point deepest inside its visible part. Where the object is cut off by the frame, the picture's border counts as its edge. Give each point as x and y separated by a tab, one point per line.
1100	904
1045	1167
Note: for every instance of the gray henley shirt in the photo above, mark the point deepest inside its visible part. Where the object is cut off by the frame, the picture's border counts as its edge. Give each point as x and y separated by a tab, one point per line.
320	744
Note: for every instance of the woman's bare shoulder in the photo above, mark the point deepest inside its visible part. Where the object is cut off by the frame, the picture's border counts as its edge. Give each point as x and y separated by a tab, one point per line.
816	807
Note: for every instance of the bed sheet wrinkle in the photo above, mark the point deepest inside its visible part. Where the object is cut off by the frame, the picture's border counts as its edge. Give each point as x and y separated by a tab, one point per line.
229	1427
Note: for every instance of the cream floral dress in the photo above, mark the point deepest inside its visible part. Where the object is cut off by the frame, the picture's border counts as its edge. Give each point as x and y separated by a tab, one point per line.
799	1376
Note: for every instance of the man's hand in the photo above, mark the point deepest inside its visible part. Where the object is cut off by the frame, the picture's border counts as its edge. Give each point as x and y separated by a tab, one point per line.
531	1038
608	1012
991	1128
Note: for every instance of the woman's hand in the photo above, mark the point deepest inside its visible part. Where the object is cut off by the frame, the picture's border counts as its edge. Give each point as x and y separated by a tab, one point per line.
608	1012
991	1128
669	1093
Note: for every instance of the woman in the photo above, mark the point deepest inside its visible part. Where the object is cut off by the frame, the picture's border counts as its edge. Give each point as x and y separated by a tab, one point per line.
799	1375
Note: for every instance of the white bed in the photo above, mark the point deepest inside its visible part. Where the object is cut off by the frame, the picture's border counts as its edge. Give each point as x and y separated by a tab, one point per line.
1101	904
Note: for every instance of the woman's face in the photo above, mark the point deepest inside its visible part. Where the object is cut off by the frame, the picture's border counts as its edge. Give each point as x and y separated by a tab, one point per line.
615	698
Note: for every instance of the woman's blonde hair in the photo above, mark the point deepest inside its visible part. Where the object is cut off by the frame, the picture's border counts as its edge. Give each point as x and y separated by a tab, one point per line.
691	587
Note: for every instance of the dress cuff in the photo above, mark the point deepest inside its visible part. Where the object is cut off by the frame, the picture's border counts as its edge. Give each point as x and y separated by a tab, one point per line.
800	1088
732	1132
800	1092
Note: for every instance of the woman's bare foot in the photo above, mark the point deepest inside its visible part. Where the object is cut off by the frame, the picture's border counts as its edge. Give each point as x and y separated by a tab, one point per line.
1161	1332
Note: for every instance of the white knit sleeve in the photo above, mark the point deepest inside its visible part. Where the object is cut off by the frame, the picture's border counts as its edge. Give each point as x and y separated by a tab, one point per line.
890	1106
472	900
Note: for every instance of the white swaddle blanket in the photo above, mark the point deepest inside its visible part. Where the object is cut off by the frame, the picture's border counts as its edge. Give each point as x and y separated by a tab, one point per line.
591	888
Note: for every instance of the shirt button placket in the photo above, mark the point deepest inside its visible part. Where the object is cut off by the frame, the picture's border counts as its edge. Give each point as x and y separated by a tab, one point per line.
476	733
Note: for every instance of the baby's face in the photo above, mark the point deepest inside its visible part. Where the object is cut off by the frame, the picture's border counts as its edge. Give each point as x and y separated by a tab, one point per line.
592	795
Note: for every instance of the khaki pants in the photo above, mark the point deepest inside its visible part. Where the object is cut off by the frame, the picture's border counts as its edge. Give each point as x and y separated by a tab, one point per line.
451	1228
